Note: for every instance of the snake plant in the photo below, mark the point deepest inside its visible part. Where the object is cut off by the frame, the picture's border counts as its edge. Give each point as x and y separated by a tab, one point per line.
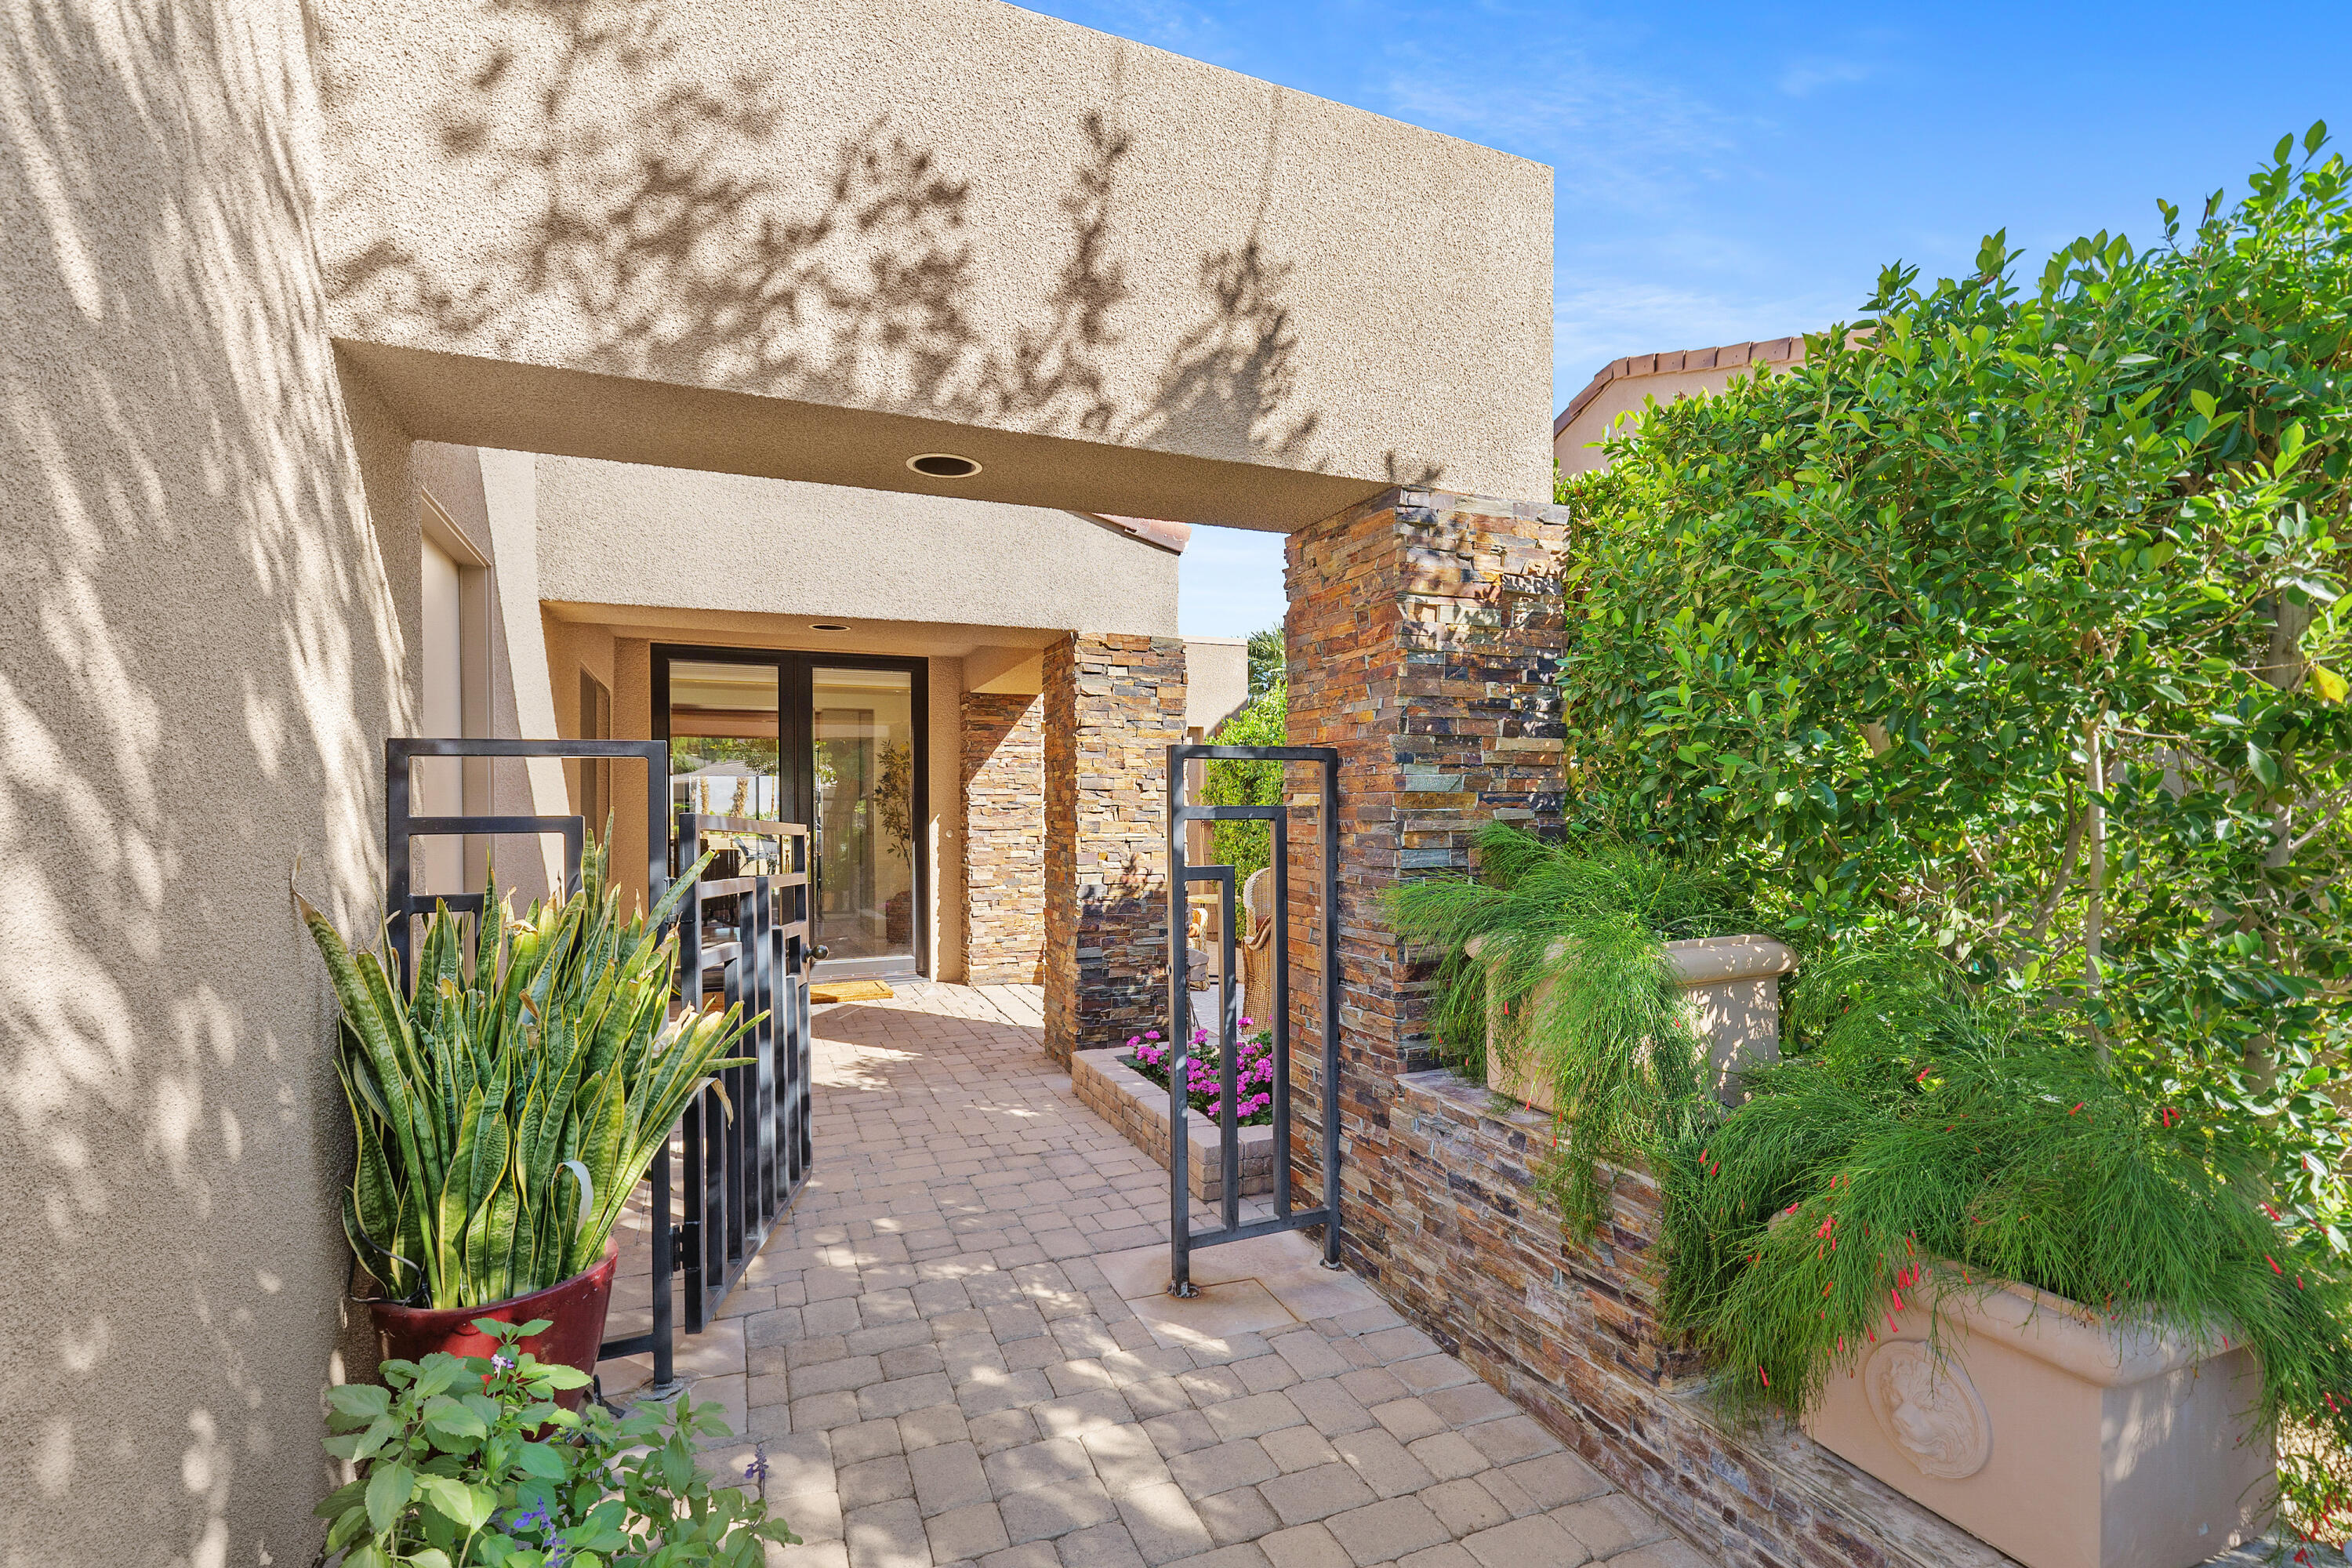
505	1108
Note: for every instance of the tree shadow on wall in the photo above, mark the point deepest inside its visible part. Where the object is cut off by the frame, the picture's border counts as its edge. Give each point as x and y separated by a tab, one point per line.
1126	919
199	657
675	216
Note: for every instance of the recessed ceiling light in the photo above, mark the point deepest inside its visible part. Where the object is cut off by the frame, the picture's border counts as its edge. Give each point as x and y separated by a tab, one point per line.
827	626
943	466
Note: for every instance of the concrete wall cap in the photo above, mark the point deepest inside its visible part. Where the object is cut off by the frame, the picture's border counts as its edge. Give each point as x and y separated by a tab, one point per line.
2066	1335
1700	959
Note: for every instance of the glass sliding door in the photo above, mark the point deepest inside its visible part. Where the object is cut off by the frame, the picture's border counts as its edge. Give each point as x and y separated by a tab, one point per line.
867	831
836	744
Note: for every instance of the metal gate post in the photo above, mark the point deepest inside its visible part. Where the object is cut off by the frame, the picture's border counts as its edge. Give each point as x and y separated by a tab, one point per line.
1182	1238
403	904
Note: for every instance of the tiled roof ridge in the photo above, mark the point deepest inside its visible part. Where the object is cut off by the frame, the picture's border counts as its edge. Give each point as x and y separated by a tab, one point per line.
1764	351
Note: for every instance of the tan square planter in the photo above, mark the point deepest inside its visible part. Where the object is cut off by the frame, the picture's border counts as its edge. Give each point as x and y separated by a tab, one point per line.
1731	988
2055	1437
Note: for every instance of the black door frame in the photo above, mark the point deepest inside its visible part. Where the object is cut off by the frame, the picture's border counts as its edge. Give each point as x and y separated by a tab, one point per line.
794	692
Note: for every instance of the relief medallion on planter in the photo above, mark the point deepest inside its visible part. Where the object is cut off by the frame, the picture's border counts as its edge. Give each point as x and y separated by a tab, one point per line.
1928	1410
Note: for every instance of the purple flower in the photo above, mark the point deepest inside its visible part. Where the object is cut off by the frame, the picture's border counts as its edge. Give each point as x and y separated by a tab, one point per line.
757	1471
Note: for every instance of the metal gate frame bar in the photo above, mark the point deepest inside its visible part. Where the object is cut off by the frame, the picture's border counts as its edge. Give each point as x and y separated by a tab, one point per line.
744	1171
1182	1238
401	905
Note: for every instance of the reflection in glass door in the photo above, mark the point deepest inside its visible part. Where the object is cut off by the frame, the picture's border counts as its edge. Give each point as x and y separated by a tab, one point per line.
863	724
726	753
836	744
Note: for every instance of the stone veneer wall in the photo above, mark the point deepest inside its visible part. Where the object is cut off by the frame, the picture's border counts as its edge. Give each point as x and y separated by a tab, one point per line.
1475	1255
1113	706
1423	635
1004	838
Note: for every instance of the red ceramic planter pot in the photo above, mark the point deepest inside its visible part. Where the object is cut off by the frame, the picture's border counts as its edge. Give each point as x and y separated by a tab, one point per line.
574	1309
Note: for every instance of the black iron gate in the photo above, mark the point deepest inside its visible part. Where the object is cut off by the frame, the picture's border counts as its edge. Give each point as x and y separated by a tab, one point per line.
747	927
1183	1238
740	1172
402	904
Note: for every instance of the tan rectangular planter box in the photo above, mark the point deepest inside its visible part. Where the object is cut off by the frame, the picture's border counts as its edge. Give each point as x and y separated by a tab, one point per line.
1732	987
1139	1108
2053	1436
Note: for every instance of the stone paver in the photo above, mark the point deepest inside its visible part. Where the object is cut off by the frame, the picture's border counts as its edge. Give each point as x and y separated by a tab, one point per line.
941	1372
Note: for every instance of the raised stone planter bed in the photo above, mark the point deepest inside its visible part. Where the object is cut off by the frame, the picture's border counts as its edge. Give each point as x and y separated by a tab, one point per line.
1476	1258
1139	1108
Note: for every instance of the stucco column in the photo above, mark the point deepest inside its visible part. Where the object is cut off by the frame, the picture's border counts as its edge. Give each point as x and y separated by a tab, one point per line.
1113	706
1423	632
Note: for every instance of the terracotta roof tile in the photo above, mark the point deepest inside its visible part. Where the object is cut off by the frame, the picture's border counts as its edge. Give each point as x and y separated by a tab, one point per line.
1766	351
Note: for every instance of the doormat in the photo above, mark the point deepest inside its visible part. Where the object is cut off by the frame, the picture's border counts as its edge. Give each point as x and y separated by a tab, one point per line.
825	990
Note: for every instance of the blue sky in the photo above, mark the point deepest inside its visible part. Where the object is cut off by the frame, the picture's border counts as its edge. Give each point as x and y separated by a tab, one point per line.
1737	171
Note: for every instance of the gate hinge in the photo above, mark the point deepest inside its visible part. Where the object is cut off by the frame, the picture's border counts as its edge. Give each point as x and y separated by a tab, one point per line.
684	1243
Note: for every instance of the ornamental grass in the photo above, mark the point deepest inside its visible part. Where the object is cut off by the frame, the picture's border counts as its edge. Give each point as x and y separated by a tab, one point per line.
507	1106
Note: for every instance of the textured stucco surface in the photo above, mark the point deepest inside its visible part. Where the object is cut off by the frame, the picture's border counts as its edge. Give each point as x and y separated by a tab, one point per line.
626	533
1216	681
1126	281
198	659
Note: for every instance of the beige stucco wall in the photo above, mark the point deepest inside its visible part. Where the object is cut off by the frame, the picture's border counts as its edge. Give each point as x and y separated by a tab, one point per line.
863	230
199	656
625	533
1216	681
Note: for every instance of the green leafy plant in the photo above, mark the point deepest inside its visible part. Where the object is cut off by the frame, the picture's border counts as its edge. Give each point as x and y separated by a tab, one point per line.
1247	846
469	1460
894	798
2007	619
506	1109
1996	645
1559	950
1268	654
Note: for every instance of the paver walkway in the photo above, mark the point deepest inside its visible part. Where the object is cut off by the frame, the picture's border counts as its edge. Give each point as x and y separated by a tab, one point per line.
954	1353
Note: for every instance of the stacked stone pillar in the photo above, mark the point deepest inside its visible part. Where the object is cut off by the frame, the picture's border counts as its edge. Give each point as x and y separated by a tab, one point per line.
1114	704
1424	633
1004	839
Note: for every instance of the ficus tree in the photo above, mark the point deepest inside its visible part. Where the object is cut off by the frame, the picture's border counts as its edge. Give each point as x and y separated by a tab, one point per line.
2007	620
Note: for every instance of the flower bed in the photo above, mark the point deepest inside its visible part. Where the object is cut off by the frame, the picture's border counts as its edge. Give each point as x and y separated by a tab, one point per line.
1204	1087
1115	1091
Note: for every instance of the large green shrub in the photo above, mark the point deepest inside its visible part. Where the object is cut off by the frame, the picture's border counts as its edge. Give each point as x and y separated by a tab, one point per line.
1247	847
1996	644
2007	620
